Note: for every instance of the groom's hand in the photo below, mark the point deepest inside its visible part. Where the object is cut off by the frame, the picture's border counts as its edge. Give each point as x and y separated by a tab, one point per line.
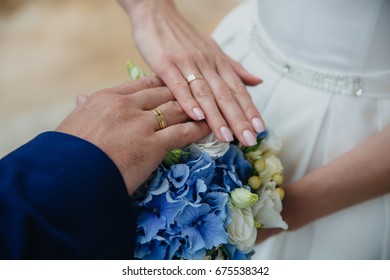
120	122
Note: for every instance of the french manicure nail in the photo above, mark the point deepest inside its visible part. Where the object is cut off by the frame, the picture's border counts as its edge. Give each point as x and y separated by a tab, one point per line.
198	113
258	125
226	134
249	138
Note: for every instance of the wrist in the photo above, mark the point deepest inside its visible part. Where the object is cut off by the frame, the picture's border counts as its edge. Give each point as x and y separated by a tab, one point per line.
140	9
299	206
129	5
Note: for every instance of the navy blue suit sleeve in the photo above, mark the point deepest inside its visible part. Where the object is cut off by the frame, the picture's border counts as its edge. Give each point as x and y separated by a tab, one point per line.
61	197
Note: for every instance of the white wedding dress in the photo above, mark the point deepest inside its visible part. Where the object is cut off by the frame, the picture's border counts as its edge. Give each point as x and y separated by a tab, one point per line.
326	71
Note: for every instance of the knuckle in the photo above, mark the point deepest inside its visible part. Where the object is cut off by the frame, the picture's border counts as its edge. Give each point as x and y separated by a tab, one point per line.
179	84
150	81
204	92
240	88
178	55
118	102
204	58
185	56
222	62
251	109
224	94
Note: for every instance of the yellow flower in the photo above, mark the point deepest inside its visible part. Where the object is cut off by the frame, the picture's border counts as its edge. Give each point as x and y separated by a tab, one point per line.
259	165
254	182
281	193
278	178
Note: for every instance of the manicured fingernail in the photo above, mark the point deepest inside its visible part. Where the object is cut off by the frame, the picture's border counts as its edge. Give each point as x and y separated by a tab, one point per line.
258	125
198	113
259	79
249	138
226	134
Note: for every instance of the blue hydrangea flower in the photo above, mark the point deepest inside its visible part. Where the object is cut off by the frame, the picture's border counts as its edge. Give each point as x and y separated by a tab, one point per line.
218	203
231	180
156	249
178	243
217	186
189	181
157	214
178	175
156	186
203	228
235	161
202	168
196	191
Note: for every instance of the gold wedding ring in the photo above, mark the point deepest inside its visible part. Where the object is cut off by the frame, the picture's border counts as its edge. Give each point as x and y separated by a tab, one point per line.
160	118
193	77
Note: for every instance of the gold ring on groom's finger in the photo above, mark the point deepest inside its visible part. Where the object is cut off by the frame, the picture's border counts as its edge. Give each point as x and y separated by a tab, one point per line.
193	77
162	122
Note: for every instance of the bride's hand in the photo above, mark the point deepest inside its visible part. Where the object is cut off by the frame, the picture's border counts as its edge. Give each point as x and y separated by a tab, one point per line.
175	50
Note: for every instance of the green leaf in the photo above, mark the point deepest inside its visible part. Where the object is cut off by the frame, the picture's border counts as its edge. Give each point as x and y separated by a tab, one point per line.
134	71
173	157
251	148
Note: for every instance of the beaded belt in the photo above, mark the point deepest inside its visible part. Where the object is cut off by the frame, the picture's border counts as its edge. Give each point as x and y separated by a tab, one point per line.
375	85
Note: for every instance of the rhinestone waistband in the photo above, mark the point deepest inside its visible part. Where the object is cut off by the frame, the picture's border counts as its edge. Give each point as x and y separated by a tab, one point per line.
368	85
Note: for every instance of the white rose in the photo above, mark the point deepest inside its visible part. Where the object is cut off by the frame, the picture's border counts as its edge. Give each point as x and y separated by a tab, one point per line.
242	230
211	145
267	209
272	166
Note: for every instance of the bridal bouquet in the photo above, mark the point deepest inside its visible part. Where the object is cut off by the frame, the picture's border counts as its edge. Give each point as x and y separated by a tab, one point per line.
208	201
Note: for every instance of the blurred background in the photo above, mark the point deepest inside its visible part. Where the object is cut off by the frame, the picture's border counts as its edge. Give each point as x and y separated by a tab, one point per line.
51	51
